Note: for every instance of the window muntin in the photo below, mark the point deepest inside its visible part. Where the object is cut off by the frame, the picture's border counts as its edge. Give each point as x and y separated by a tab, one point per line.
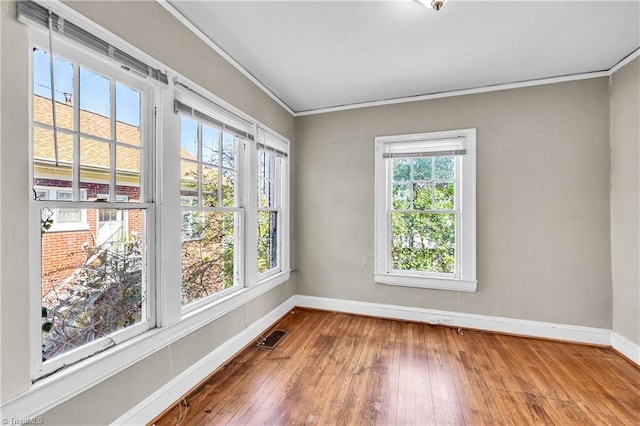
211	212
269	186
93	280
425	210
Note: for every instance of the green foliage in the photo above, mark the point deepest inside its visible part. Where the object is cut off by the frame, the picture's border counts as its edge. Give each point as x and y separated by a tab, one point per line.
267	240
423	239
208	237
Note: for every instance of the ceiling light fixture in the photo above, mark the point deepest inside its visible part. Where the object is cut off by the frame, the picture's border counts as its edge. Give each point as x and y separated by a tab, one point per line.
435	4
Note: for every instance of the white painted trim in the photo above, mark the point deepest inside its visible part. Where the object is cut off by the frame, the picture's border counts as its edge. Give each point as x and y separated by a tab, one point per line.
633	55
75	379
471	91
626	347
437	283
172	391
202	36
572	333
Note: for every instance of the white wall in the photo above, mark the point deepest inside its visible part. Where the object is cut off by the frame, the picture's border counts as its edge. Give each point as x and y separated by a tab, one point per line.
625	200
542	202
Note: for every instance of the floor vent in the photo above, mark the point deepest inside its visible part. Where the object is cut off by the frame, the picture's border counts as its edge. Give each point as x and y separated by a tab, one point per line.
272	339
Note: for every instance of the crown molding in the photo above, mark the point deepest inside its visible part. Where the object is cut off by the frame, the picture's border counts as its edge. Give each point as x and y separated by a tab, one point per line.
624	61
202	36
449	94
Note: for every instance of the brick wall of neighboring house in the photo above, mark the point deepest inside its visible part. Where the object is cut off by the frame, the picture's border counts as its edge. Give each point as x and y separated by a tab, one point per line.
63	252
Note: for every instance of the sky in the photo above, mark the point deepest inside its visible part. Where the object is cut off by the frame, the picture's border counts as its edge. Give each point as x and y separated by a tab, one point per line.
94	89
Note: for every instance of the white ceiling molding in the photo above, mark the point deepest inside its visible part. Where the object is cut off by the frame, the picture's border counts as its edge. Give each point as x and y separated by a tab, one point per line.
630	57
453	93
187	23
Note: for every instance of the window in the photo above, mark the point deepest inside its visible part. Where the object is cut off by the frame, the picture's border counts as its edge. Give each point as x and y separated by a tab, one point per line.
62	219
271	190
212	216
109	263
425	210
90	145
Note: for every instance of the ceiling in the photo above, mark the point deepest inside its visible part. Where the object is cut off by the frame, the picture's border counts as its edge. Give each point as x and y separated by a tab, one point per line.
315	55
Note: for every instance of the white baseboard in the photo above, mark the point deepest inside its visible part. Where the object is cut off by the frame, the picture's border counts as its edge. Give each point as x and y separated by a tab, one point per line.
572	333
154	404
626	347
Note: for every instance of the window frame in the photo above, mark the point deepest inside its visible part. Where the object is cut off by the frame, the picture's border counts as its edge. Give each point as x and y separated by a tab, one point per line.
464	278
242	161
279	165
272	141
149	90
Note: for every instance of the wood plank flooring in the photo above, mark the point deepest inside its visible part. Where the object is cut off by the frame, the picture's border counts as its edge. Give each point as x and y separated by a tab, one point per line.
338	369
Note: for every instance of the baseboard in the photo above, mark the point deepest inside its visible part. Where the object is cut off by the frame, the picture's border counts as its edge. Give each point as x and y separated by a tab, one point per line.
626	347
572	333
164	397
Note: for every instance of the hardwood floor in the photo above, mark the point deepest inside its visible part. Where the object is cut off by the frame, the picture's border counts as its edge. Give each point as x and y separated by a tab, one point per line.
339	369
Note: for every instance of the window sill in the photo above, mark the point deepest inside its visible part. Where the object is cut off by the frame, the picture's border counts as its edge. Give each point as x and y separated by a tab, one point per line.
275	278
437	283
50	391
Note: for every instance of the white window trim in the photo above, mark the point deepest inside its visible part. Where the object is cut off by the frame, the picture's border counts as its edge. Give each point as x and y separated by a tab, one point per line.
465	277
243	150
270	138
69	50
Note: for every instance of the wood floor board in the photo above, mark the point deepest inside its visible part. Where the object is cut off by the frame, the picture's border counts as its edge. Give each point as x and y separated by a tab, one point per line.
340	369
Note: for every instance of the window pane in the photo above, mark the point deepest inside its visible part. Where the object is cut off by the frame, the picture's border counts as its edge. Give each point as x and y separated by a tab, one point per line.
228	151
45	170
188	138
68	216
401	170
95	164
263	165
127	115
445	168
95	104
188	179
444	196
228	188
263	193
210	145
128	173
208	256
42	109
423	242
210	186
91	287
422	193
267	241
401	196
422	168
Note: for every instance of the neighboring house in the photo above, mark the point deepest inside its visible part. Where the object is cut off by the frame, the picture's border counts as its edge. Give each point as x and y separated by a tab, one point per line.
75	233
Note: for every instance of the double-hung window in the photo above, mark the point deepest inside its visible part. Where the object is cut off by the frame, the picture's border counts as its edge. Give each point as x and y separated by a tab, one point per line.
212	163
425	210
272	172
91	169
